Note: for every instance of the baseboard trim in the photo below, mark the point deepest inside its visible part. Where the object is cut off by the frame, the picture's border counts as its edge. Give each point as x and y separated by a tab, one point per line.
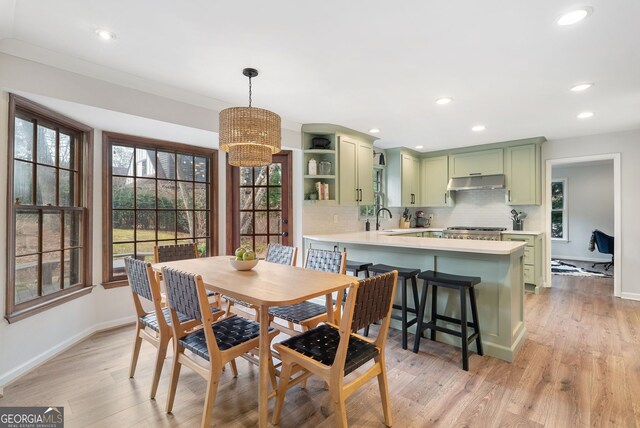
630	296
23	369
582	259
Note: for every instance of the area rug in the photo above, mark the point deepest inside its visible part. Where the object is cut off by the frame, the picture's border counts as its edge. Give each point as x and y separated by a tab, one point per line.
561	268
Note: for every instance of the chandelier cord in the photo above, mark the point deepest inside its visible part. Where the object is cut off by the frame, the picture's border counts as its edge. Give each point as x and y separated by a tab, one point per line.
249	91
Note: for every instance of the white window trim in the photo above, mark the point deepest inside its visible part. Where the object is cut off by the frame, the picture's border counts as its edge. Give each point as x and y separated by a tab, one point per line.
565	210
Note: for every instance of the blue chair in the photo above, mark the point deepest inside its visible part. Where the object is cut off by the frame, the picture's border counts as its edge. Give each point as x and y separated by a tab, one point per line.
604	243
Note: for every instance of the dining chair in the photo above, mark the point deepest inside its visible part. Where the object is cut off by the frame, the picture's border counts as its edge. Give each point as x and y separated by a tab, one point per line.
334	351
215	342
172	253
276	253
144	286
309	314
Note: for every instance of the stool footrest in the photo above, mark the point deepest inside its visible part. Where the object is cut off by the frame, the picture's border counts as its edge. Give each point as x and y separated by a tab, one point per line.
411	310
455	321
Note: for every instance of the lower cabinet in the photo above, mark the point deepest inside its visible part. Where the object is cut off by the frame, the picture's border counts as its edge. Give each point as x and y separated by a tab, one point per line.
532	258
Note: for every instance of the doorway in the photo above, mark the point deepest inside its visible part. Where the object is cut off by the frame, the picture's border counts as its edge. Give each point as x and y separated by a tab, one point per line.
583	194
259	205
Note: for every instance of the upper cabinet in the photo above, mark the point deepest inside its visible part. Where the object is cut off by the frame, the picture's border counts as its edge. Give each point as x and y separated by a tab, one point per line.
484	162
522	175
356	171
403	178
433	182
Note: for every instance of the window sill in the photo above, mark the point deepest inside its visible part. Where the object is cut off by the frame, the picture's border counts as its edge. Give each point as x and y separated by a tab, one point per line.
36	309
115	284
560	240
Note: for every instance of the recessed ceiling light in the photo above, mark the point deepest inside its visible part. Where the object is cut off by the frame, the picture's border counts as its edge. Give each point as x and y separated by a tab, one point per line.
105	34
585	115
581	87
419	147
478	128
374	130
574	16
443	101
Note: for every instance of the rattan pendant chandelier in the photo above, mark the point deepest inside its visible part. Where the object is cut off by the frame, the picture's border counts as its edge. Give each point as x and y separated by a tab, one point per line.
250	135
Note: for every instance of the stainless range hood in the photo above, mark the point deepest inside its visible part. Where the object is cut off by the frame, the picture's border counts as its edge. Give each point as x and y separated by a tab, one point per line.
478	182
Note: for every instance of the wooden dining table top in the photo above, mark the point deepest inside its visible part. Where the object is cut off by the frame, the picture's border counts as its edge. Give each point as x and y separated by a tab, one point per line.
267	284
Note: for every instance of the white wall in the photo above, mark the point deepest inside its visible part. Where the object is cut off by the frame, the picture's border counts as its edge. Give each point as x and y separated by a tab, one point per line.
589	206
628	145
105	106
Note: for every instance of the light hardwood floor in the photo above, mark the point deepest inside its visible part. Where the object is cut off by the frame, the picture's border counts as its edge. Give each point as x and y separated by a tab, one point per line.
580	366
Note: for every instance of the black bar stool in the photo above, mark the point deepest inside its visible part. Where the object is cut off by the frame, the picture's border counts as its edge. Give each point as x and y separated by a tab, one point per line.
403	275
357	267
462	284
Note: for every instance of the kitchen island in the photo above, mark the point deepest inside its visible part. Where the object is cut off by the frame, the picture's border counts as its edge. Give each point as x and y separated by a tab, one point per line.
500	295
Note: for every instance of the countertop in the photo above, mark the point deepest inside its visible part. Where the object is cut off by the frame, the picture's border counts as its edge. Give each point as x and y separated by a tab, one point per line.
392	232
385	239
522	232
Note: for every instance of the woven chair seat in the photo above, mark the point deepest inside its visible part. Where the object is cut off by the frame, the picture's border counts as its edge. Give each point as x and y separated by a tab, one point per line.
321	344
229	332
298	312
150	320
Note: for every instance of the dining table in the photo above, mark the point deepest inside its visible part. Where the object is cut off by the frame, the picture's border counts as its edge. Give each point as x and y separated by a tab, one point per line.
266	285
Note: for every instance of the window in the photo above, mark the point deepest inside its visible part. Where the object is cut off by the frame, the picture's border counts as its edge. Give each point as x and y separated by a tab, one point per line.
49	220
369	211
559	209
156	193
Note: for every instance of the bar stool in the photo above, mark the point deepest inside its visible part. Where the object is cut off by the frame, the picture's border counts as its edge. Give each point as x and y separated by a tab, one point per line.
403	275
455	282
357	267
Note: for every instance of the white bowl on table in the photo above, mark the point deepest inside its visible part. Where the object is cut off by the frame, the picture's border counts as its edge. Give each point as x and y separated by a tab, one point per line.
243	264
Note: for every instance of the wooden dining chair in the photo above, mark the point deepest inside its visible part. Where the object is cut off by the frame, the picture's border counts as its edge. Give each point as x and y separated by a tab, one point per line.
149	326
172	253
215	343
333	352
276	253
309	314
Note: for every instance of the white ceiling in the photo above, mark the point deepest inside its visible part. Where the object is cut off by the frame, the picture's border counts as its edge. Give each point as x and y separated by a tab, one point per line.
365	63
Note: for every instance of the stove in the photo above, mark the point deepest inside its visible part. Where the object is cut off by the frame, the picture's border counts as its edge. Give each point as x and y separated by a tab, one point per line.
470	232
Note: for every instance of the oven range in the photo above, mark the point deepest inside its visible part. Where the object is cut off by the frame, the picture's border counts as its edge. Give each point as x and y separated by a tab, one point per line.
470	232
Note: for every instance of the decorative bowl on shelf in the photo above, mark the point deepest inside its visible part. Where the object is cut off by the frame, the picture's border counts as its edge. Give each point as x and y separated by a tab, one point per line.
243	264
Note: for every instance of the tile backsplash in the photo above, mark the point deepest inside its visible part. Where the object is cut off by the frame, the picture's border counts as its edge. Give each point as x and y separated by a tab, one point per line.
319	219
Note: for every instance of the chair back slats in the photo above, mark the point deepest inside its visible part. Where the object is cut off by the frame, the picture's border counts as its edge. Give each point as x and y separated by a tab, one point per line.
138	279
325	260
281	254
171	253
182	292
373	299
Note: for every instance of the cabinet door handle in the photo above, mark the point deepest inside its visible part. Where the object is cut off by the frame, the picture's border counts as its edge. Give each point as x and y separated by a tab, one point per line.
445	197
356	195
360	195
475	173
509	195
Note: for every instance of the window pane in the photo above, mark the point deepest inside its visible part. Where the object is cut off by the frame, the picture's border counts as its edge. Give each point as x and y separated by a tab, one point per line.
67	151
166	165
122	192
23	183
261	198
185	224
66	188
200	196
27	232
275	222
246	242
145	163
185	195
120	251
201	169
246	176
261	222
145	193
275	174
47	147
144	251
275	239
122	160
122	224
166	194
185	167
557	195
246	198
72	267
556	224
26	278
51	231
246	222
166	224
146	225
46	188
51	272
201	223
72	229
260	176
261	246
275	198
203	246
23	142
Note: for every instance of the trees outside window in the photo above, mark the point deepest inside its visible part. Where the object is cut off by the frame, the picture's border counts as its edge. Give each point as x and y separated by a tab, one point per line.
559	209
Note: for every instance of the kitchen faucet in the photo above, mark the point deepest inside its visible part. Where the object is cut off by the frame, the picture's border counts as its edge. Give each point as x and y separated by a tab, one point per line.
378	216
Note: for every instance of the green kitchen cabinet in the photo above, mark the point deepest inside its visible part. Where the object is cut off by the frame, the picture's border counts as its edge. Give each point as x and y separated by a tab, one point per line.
403	178
532	257
433	182
356	171
522	175
410	180
483	162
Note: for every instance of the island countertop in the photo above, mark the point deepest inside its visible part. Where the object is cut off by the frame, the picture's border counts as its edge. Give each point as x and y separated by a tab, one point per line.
382	239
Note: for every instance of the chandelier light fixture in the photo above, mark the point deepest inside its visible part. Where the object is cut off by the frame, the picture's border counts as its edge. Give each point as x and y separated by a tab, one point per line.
250	135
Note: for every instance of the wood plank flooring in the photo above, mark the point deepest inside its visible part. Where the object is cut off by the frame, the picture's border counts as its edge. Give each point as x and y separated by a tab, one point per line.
580	366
